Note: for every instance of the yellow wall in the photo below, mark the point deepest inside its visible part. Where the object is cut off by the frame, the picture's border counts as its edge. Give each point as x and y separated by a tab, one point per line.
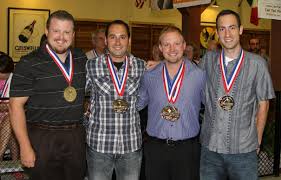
245	11
209	15
121	9
90	10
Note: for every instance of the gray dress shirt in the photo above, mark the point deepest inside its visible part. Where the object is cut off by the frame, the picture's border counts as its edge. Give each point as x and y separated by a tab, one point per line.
234	131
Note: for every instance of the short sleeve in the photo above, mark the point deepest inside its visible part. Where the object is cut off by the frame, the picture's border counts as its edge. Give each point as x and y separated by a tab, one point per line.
264	88
22	81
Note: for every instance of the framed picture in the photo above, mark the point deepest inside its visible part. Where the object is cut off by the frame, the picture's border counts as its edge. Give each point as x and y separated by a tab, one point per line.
25	29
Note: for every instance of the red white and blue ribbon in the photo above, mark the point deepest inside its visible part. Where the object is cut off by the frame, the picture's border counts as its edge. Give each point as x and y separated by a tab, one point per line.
67	72
228	82
172	89
119	84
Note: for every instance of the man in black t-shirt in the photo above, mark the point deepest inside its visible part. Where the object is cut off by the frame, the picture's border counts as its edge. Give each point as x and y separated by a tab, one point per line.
46	105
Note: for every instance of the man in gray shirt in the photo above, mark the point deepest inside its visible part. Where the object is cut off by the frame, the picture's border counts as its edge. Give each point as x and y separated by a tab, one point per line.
238	89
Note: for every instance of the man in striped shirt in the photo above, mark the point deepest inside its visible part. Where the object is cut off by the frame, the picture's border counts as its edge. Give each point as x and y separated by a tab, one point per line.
46	105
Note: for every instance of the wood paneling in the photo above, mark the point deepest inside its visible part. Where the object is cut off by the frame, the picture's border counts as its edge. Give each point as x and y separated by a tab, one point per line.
83	31
275	54
144	36
263	36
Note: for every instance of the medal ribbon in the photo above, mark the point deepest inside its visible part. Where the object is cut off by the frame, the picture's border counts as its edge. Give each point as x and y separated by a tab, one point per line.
228	82
118	84
96	54
172	89
67	73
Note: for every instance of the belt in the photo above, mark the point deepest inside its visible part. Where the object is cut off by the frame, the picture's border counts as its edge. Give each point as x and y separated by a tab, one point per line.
53	126
171	142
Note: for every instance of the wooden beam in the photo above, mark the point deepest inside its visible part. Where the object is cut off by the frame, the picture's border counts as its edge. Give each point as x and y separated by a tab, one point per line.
191	19
275	54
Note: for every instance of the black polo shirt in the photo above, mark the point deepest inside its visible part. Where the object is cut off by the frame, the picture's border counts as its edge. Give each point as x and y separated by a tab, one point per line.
38	77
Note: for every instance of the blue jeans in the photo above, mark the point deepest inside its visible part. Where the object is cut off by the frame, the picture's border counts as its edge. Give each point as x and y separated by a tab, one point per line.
216	166
101	165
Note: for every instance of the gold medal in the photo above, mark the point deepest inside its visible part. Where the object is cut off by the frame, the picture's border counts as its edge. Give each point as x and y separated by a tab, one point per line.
70	94
170	113
120	105
226	102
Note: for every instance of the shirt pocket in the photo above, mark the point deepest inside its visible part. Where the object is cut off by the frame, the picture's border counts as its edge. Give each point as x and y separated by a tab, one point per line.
103	85
248	91
133	85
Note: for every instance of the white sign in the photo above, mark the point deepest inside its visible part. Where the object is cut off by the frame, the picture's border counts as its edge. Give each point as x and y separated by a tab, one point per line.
187	3
269	9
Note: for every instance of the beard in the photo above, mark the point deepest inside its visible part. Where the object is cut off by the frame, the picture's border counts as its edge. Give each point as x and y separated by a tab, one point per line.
61	50
117	54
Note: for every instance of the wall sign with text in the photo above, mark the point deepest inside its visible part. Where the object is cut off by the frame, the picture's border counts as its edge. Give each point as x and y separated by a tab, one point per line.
25	29
269	9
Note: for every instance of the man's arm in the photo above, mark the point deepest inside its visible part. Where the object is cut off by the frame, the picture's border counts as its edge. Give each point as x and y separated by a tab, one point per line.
18	121
142	94
261	118
150	64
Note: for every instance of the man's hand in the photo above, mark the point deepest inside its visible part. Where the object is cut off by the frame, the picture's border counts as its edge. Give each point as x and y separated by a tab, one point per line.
258	150
27	157
150	64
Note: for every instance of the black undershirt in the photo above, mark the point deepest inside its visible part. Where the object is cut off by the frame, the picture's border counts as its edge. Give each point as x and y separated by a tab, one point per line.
118	64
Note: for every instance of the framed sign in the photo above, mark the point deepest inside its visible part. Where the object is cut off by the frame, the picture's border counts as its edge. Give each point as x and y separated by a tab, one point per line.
188	3
25	29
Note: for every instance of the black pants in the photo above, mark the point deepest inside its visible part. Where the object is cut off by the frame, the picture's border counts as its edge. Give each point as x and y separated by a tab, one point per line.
60	153
172	162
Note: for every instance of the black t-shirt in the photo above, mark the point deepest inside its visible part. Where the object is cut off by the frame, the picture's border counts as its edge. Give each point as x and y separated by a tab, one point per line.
38	77
118	65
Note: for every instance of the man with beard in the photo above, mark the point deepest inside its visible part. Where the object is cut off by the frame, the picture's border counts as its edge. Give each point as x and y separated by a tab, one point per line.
238	89
255	47
113	132
46	105
254	44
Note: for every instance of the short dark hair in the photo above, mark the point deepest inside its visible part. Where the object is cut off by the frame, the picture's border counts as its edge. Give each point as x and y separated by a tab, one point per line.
228	12
43	39
61	15
254	38
6	63
118	22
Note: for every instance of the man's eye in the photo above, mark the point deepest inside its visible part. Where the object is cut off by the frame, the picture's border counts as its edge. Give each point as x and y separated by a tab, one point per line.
221	29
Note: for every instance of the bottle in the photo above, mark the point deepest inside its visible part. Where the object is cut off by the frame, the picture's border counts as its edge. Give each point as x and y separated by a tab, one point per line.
27	32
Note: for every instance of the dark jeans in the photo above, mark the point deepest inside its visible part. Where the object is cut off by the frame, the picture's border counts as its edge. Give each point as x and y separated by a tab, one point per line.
172	162
60	153
216	166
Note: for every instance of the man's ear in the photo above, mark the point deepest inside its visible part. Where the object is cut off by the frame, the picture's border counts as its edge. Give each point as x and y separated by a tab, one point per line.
160	48
241	30
46	32
105	41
